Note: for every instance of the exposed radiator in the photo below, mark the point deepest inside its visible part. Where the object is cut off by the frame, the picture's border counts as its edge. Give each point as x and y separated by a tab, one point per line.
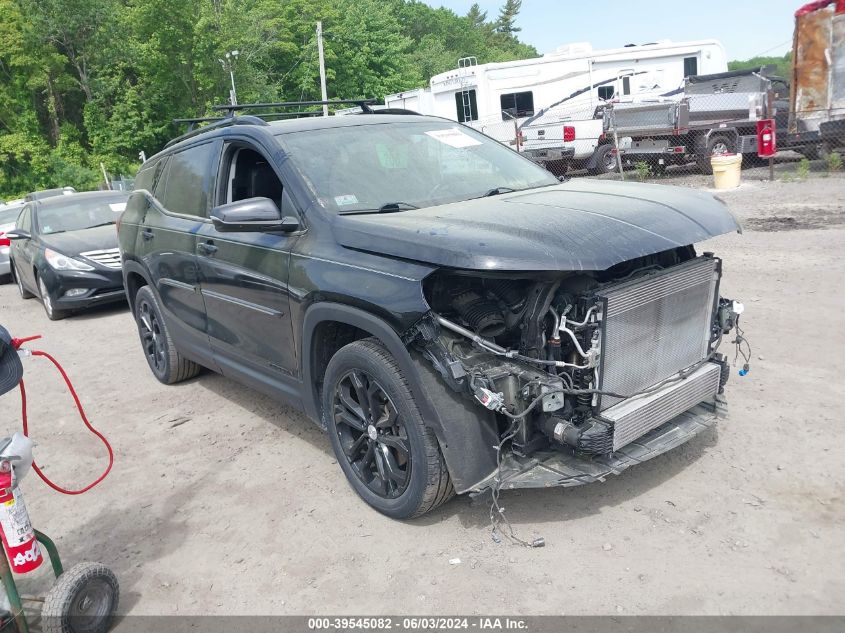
656	326
637	416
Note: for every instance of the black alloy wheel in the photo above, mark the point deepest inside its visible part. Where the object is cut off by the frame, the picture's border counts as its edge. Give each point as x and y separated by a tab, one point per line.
390	457
152	339
165	361
372	435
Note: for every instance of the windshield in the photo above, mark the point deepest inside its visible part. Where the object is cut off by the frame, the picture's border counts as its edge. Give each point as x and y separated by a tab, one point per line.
401	165
8	216
80	214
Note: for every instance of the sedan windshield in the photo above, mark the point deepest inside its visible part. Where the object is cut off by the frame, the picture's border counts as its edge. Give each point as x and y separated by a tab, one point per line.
393	167
8	215
77	214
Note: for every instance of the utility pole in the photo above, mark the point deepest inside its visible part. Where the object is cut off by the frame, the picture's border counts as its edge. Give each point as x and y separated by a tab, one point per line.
322	67
229	65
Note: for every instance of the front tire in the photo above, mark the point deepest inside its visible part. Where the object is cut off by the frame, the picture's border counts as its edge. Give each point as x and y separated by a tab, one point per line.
166	363
388	454
53	313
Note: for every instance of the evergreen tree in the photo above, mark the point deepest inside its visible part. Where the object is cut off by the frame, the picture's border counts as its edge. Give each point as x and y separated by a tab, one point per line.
507	17
476	16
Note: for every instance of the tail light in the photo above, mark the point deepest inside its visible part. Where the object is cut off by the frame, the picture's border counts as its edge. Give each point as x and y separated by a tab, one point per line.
568	133
4	241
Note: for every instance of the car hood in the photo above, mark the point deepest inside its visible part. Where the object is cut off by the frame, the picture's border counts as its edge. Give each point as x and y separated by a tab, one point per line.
579	225
75	242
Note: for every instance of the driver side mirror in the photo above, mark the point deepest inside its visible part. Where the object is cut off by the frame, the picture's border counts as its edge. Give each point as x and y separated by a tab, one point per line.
252	214
18	234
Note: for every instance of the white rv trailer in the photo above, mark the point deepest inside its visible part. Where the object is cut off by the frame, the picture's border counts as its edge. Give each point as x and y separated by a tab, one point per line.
541	95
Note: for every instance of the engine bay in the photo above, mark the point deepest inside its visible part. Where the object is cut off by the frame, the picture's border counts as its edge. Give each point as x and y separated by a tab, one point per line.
561	357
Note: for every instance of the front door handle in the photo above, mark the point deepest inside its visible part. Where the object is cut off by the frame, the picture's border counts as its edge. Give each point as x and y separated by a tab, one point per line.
206	248
147	235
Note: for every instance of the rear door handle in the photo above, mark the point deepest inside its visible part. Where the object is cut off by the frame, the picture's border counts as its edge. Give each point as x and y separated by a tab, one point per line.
206	248
147	234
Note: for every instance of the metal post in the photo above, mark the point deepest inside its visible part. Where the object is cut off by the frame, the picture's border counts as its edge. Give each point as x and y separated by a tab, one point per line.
323	92
52	552
229	66
13	595
770	114
616	144
105	175
234	96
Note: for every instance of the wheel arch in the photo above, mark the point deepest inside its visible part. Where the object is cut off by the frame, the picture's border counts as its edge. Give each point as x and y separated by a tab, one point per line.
467	433
349	323
134	278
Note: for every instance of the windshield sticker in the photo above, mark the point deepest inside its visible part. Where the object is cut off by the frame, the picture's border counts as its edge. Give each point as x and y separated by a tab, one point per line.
343	200
453	137
117	207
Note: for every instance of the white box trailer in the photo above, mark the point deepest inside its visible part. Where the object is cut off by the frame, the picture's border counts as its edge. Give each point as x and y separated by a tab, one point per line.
534	99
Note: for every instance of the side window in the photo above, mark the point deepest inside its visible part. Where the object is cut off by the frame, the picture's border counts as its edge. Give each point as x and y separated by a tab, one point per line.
185	187
149	174
690	66
606	92
516	105
248	174
24	221
626	85
466	104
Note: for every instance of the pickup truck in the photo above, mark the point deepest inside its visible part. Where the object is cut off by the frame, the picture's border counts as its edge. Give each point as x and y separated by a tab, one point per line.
717	114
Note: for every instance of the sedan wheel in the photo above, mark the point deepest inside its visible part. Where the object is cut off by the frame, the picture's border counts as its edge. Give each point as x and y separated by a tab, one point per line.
25	294
52	313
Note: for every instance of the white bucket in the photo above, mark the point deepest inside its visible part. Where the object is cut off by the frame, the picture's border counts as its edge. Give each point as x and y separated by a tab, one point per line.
726	170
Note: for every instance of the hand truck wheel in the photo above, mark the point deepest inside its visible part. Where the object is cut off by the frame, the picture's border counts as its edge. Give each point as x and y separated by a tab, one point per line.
82	600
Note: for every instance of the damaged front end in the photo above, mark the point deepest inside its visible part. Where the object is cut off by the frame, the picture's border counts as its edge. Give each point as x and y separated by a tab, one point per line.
587	373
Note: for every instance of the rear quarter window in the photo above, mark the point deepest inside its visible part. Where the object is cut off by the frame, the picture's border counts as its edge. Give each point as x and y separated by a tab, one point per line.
185	189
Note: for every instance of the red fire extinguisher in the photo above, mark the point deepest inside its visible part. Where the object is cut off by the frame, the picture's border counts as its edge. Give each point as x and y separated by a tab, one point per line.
16	531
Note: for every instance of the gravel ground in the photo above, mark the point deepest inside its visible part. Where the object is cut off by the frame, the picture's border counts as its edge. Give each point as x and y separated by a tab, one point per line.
223	502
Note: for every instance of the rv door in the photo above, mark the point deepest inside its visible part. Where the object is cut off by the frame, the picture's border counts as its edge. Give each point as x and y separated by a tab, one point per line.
623	82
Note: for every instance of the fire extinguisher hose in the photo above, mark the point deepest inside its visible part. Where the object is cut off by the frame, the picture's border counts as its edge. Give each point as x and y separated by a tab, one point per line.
17	343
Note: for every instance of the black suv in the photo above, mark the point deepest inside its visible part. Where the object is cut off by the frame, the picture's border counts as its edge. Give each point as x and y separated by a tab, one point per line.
456	318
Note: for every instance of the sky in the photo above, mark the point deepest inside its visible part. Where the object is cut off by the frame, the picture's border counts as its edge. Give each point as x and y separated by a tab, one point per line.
745	27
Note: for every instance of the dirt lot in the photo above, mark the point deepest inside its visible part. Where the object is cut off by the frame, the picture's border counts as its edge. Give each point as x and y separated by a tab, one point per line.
223	502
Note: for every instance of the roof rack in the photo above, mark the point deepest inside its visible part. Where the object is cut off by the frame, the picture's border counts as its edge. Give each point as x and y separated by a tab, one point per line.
218	122
231	109
233	118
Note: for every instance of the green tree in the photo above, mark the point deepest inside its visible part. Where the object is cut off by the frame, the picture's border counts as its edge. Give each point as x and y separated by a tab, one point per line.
90	81
476	16
507	17
783	65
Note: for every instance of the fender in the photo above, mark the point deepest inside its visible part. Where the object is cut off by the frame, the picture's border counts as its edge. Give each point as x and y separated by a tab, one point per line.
133	266
467	434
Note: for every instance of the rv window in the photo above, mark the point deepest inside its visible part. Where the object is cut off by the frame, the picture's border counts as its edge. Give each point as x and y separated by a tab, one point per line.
467	106
606	92
690	66
516	105
626	85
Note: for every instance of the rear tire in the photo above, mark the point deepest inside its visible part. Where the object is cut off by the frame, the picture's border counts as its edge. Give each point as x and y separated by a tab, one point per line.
605	160
716	144
166	363
25	294
389	456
